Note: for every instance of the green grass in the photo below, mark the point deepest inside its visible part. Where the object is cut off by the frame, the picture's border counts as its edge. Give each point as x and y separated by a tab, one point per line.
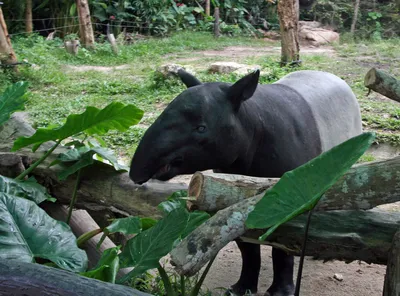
58	90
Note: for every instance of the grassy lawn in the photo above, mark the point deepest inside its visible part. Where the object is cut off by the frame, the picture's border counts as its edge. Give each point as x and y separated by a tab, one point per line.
60	84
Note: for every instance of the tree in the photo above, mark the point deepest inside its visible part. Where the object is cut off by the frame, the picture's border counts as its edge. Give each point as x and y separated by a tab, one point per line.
355	16
28	16
288	12
85	24
7	54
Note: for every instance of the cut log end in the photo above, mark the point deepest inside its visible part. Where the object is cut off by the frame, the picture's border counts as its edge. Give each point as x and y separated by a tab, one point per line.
195	185
370	78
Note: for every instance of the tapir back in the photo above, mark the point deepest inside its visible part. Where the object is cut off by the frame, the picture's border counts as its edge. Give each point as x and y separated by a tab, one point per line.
332	102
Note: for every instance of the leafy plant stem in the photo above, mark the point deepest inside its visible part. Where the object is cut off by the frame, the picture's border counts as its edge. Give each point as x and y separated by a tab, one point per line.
74	194
198	285
87	236
39	161
303	252
183	292
166	281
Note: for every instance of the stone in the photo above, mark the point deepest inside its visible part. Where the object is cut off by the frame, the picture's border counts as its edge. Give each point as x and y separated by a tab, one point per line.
338	277
232	67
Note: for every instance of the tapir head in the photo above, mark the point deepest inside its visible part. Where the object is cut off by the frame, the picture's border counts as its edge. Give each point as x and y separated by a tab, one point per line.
198	130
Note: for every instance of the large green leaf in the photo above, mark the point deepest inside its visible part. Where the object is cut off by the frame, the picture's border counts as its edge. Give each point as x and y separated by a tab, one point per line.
84	157
300	189
27	232
144	251
12	100
115	116
128	225
28	189
107	268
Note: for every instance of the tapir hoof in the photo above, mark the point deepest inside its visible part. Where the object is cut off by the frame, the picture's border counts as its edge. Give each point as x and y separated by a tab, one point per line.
232	291
282	291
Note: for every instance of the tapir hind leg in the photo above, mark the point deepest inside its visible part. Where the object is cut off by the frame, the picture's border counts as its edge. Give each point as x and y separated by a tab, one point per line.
251	262
282	284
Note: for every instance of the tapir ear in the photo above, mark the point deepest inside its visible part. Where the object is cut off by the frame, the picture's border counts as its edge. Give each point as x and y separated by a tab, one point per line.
188	79
243	89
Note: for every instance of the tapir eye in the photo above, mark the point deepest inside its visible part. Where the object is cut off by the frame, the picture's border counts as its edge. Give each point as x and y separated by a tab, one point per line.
201	128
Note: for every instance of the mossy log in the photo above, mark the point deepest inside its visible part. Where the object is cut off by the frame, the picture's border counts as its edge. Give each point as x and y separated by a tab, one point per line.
383	83
29	279
363	187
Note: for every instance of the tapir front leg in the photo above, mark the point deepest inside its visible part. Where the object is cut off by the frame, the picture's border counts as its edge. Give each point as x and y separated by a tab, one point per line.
251	263
283	265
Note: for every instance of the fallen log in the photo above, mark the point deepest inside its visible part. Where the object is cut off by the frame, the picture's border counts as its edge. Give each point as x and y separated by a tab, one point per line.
30	279
341	235
363	187
101	187
383	83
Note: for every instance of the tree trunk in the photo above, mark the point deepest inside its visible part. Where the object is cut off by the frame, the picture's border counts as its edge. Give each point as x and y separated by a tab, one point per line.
7	54
28	16
355	16
341	235
392	277
207	8
383	83
85	24
289	21
217	31
30	279
363	187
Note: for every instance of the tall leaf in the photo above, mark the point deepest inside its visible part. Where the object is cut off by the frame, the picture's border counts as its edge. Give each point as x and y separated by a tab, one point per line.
300	189
144	251
27	232
12	100
115	116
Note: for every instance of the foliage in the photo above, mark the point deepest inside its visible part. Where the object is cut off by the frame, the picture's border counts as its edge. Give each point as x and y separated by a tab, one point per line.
27	233
12	99
299	190
28	189
93	121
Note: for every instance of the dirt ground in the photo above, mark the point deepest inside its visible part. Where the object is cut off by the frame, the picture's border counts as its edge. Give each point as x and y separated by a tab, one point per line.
359	278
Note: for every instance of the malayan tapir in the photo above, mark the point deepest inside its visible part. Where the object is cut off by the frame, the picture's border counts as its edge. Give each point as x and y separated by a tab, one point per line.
250	129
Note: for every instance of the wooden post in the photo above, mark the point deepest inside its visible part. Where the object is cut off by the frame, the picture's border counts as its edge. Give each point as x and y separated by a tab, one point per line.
7	54
392	277
217	31
111	39
28	16
289	23
85	24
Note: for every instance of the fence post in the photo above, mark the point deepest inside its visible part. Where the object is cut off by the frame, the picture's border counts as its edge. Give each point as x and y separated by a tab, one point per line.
85	24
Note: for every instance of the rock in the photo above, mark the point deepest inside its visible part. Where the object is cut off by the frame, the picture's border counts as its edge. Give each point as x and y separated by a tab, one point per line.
232	67
168	70
338	276
315	34
312	24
